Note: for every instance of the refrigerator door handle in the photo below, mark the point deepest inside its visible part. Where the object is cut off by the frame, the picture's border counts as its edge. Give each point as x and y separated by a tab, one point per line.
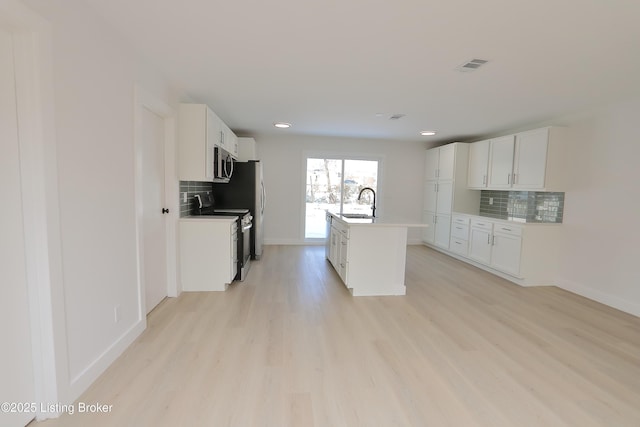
264	198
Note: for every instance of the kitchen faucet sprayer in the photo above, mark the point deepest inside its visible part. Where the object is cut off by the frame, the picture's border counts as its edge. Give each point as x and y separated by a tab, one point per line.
373	208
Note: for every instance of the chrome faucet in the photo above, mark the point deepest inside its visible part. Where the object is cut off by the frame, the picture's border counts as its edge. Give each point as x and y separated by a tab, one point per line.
373	208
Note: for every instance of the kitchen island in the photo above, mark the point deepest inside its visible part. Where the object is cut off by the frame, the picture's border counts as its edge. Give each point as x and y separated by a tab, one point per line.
369	253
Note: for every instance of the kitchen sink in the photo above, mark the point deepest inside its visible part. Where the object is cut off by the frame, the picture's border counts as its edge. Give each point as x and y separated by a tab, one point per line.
356	215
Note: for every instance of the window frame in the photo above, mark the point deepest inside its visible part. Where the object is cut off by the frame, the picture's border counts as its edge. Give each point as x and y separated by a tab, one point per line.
333	155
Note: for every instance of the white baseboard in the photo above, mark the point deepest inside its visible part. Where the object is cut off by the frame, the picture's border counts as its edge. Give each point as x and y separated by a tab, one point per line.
292	242
82	381
296	242
601	297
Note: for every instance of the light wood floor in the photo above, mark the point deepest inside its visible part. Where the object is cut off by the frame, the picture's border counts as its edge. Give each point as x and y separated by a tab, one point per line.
291	347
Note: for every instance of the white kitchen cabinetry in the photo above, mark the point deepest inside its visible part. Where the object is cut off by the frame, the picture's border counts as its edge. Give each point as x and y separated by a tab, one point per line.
208	253
247	149
532	160
228	140
429	233
459	235
496	245
506	248
442	231
338	248
445	190
370	254
478	176
526	254
198	129
501	162
480	241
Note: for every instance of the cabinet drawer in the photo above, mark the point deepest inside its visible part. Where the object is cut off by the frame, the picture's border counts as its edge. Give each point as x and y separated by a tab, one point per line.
459	231
460	220
459	246
481	223
507	229
342	228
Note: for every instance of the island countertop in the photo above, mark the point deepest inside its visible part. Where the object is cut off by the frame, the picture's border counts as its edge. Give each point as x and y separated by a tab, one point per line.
381	221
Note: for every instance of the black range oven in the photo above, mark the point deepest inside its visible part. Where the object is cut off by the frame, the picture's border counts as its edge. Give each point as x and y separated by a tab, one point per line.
205	207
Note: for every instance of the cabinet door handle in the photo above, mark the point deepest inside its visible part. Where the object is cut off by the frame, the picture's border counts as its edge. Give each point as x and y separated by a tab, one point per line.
509	179
506	229
481	223
459	228
514	178
493	241
484	179
435	219
488	239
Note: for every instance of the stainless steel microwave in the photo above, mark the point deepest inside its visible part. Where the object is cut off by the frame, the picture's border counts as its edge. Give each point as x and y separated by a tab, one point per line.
222	165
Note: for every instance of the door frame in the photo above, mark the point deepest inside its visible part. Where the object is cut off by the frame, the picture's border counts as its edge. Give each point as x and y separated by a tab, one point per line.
33	64
144	99
336	155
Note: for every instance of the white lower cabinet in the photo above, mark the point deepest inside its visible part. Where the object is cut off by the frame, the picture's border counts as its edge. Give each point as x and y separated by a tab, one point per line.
369	257
506	249
442	231
459	243
496	245
208	253
438	231
480	245
343	259
526	254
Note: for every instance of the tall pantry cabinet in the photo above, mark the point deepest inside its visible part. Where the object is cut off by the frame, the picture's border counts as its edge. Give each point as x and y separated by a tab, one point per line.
445	191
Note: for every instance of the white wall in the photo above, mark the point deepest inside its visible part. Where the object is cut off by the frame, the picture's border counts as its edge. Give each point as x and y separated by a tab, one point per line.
94	74
400	183
601	234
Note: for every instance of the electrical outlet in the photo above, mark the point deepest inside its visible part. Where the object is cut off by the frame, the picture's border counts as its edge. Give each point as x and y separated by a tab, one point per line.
184	197
490	200
116	313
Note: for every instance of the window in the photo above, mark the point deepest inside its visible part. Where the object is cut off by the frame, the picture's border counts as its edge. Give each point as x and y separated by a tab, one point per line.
334	184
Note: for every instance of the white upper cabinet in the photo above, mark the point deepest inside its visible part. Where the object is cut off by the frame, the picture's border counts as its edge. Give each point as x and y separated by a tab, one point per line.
197	130
440	163
478	175
445	191
501	162
446	162
431	163
532	160
228	140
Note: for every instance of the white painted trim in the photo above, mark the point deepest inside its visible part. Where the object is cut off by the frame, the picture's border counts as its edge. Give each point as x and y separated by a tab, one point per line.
143	99
35	105
338	155
514	280
84	379
599	296
291	242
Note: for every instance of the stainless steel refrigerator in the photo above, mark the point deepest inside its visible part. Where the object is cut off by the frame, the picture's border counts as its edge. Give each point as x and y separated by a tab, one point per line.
245	190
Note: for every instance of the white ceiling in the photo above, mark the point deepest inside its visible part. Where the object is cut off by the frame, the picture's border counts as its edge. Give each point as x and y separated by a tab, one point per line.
328	66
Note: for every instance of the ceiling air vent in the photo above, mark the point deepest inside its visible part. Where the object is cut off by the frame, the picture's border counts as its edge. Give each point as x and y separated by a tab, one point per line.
396	117
472	65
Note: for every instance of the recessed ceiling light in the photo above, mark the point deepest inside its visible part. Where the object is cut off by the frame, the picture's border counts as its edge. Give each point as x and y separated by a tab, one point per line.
282	125
428	132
